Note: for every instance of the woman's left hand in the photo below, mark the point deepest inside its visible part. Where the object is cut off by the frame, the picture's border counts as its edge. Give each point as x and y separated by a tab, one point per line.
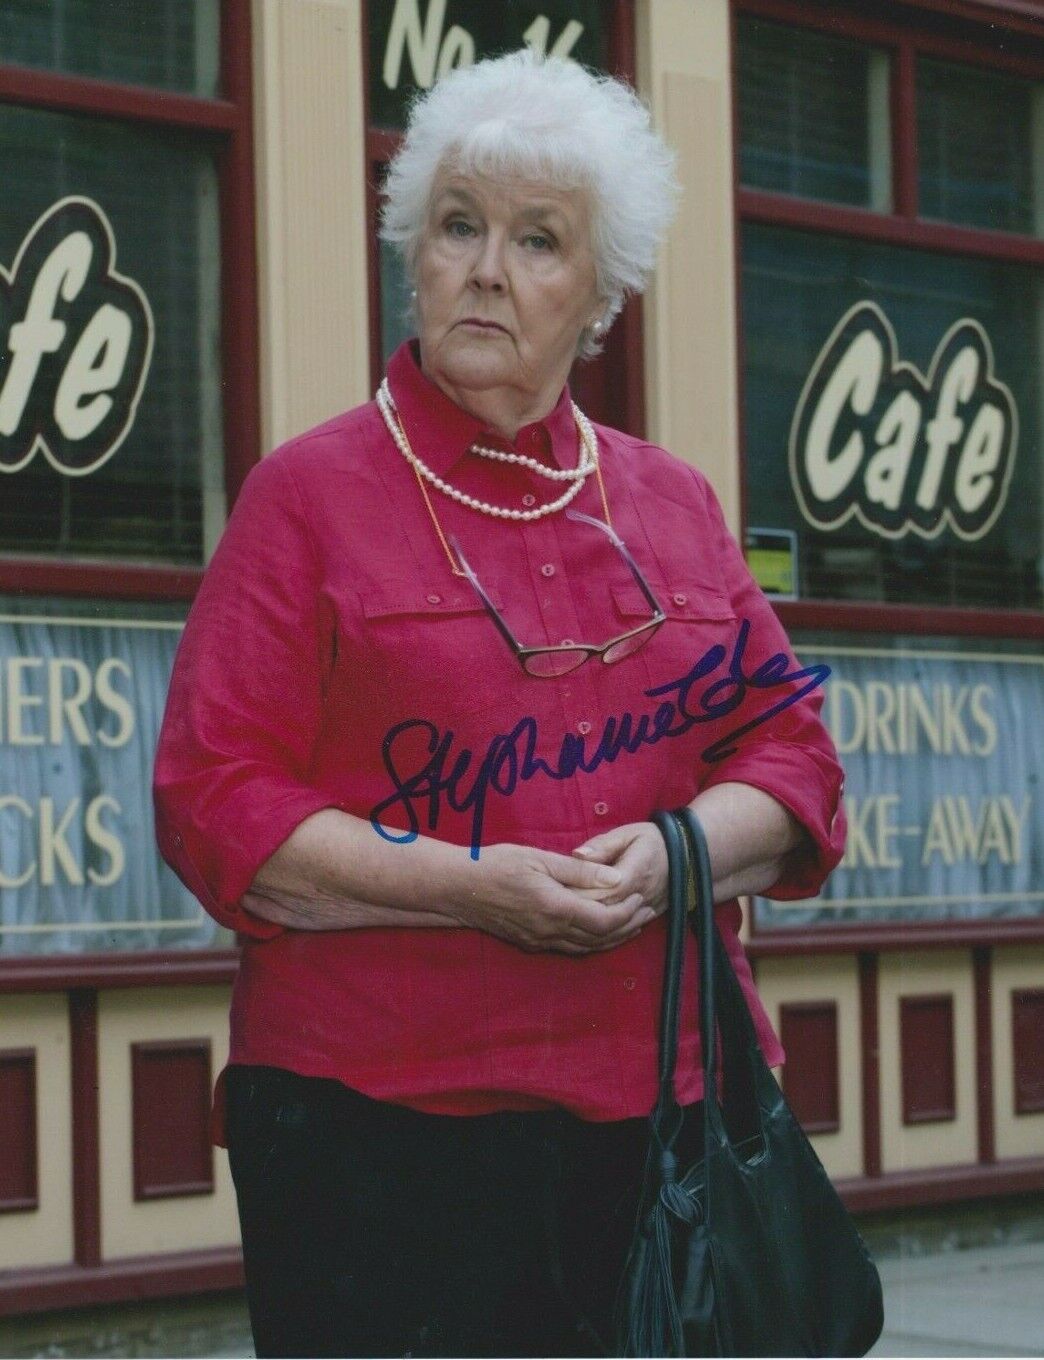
637	850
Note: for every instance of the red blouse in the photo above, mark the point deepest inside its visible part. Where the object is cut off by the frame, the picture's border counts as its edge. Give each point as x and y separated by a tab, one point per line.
332	659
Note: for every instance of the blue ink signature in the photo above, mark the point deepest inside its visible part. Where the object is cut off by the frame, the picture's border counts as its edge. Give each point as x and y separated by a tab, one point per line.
511	758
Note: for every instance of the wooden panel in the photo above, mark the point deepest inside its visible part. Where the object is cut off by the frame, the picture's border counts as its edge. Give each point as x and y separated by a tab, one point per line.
808	1031
170	1082
41	1237
18	1162
132	1226
83	1030
1014	970
1027	1041
927	1057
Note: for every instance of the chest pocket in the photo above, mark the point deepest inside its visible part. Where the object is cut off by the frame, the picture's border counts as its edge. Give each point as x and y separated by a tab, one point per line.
699	616
425	649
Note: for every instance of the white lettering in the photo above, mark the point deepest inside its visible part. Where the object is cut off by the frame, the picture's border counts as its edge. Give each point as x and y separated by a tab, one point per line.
105	840
944	431
115	703
20	805
853	383
63	272
95	366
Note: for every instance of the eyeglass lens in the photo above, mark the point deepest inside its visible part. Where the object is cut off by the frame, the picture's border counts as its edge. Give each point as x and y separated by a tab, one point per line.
547	665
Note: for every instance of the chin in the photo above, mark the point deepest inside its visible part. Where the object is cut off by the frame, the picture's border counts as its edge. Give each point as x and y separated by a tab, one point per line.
471	367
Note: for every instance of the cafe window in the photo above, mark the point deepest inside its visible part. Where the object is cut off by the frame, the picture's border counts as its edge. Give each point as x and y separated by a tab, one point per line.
168	46
115	402
814	115
127	418
893	336
409	45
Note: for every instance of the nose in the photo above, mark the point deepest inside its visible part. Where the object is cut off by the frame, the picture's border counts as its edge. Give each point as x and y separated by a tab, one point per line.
487	270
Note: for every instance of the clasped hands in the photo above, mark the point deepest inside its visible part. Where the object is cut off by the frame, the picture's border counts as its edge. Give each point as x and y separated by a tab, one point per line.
599	897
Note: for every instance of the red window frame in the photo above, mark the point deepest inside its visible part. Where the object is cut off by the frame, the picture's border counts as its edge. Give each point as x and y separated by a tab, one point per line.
610	388
965	31
228	122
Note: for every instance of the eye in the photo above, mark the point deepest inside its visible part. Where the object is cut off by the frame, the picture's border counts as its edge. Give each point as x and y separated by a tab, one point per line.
460	228
539	241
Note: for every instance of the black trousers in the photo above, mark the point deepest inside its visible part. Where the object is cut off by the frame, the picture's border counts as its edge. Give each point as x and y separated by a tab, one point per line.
371	1229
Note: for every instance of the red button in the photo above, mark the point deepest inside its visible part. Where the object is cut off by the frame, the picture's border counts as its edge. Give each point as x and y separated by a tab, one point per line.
680	599
630	983
583	727
434	599
548	569
529	499
600	808
568	642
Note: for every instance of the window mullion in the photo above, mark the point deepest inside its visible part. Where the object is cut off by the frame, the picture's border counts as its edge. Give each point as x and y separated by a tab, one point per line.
904	130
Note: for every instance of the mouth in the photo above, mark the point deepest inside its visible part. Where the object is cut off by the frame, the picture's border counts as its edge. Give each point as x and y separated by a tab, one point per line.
479	324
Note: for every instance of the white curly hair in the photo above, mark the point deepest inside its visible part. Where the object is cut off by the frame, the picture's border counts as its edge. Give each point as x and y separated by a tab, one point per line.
551	120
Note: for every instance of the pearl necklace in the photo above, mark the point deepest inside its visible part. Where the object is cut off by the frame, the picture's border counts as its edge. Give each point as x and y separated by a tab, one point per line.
588	463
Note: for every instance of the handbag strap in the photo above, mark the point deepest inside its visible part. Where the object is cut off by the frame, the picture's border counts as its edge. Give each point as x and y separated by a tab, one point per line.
666	1116
704	929
724	1010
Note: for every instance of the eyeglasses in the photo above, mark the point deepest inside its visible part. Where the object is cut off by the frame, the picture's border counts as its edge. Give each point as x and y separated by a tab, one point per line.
549	662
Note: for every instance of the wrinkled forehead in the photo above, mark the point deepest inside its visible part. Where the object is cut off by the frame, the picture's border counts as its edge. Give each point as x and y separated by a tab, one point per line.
509	193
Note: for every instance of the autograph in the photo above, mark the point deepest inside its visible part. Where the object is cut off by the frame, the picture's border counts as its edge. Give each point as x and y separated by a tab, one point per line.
510	757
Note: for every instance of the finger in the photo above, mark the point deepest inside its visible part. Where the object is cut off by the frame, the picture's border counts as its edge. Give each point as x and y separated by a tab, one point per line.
638	922
599	921
604	849
576	873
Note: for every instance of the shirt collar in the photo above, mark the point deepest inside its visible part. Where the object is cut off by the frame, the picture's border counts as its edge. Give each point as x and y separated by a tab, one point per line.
441	432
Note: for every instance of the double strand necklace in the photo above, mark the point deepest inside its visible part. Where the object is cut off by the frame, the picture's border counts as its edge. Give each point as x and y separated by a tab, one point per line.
588	463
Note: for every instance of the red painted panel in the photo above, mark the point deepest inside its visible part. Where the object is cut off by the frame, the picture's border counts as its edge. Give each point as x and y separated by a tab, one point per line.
18	1162
1027	1037
83	1032
927	1056
808	1031
171	1100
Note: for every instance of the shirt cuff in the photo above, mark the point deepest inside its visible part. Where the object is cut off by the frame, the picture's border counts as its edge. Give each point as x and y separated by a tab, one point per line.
220	865
809	785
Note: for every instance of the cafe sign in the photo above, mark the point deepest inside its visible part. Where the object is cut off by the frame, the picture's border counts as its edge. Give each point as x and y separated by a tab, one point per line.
902	453
76	340
942	793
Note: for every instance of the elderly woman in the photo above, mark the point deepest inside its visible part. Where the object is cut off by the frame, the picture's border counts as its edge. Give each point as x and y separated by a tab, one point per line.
453	650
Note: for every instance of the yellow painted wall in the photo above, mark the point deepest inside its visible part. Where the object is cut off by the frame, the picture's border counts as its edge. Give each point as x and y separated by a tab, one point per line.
1014	969
43	1236
692	399
940	1143
826	978
132	1228
311	212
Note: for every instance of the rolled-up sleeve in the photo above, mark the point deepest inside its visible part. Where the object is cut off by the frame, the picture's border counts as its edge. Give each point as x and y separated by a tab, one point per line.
245	701
790	754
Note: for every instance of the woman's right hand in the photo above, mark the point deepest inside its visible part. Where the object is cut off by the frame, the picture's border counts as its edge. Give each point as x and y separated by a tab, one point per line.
540	901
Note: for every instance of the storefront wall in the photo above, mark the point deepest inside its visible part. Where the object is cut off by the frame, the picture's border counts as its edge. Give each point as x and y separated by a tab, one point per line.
113	1014
889	204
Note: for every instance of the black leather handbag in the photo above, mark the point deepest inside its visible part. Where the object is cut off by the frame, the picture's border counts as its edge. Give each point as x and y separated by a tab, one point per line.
749	1251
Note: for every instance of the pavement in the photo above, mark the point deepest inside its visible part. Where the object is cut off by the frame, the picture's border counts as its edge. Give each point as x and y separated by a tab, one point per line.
983	1301
941	1299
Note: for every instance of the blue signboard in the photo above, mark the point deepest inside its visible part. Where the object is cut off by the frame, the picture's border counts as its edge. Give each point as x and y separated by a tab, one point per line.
81	700
941	749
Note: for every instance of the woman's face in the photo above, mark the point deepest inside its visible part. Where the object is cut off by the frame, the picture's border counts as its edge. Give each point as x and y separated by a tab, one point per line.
505	286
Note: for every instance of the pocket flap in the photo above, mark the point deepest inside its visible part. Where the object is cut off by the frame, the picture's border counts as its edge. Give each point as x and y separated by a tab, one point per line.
681	601
413	598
